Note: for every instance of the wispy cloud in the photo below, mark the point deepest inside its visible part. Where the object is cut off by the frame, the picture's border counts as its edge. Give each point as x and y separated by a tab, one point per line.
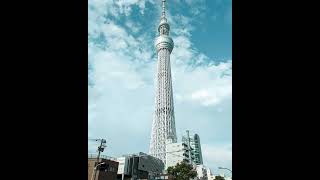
197	7
219	155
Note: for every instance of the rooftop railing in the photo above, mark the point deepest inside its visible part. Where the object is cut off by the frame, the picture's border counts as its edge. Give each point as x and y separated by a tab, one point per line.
102	157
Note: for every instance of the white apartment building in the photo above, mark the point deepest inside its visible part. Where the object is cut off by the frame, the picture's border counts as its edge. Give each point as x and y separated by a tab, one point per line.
176	153
210	174
202	173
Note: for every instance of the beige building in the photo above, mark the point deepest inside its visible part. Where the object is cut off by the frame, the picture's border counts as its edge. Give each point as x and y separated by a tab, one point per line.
109	171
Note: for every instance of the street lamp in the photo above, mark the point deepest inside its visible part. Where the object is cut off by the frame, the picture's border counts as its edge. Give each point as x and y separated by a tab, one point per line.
224	168
95	169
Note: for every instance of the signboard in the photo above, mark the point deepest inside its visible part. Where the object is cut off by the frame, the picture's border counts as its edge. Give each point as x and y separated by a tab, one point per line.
123	165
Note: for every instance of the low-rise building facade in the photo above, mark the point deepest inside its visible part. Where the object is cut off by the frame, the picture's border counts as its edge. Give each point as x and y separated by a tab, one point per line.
109	171
177	153
139	166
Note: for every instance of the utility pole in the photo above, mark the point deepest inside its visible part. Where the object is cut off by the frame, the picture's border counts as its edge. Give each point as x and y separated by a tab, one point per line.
100	149
95	167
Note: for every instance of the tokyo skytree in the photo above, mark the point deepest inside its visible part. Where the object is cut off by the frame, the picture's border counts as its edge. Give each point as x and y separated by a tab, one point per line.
163	125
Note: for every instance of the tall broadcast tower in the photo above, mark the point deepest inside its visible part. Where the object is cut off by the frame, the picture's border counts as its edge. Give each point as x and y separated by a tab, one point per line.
163	126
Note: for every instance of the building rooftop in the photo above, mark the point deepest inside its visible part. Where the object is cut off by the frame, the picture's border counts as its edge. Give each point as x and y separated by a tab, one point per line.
94	156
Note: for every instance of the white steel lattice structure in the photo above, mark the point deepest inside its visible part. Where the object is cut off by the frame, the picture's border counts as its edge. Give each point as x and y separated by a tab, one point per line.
163	126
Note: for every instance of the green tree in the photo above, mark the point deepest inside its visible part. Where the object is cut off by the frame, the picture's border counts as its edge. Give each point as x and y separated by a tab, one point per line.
219	178
182	171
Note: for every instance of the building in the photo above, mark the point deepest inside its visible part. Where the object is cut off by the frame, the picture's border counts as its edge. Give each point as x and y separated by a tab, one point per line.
221	175
163	125
110	168
176	153
139	166
195	146
164	177
202	173
225	177
210	175
123	169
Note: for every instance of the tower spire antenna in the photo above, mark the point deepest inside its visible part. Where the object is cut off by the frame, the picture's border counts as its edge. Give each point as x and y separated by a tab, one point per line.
163	27
163	9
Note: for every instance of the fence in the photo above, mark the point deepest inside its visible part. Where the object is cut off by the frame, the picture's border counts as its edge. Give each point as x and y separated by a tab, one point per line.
102	157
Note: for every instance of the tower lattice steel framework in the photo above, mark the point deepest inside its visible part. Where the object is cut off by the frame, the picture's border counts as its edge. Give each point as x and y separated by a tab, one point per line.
163	126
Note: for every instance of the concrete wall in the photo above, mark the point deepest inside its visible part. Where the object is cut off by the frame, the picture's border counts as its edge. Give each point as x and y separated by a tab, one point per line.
109	174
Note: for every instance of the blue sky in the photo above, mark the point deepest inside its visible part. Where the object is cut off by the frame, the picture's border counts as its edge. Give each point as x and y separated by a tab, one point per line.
122	61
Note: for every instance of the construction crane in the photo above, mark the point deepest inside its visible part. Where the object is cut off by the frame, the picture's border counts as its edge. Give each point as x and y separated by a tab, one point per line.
101	148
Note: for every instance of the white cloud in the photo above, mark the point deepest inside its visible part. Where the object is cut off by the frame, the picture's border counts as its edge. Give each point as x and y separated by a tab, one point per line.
209	87
133	26
211	82
205	97
197	7
125	6
217	156
115	68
